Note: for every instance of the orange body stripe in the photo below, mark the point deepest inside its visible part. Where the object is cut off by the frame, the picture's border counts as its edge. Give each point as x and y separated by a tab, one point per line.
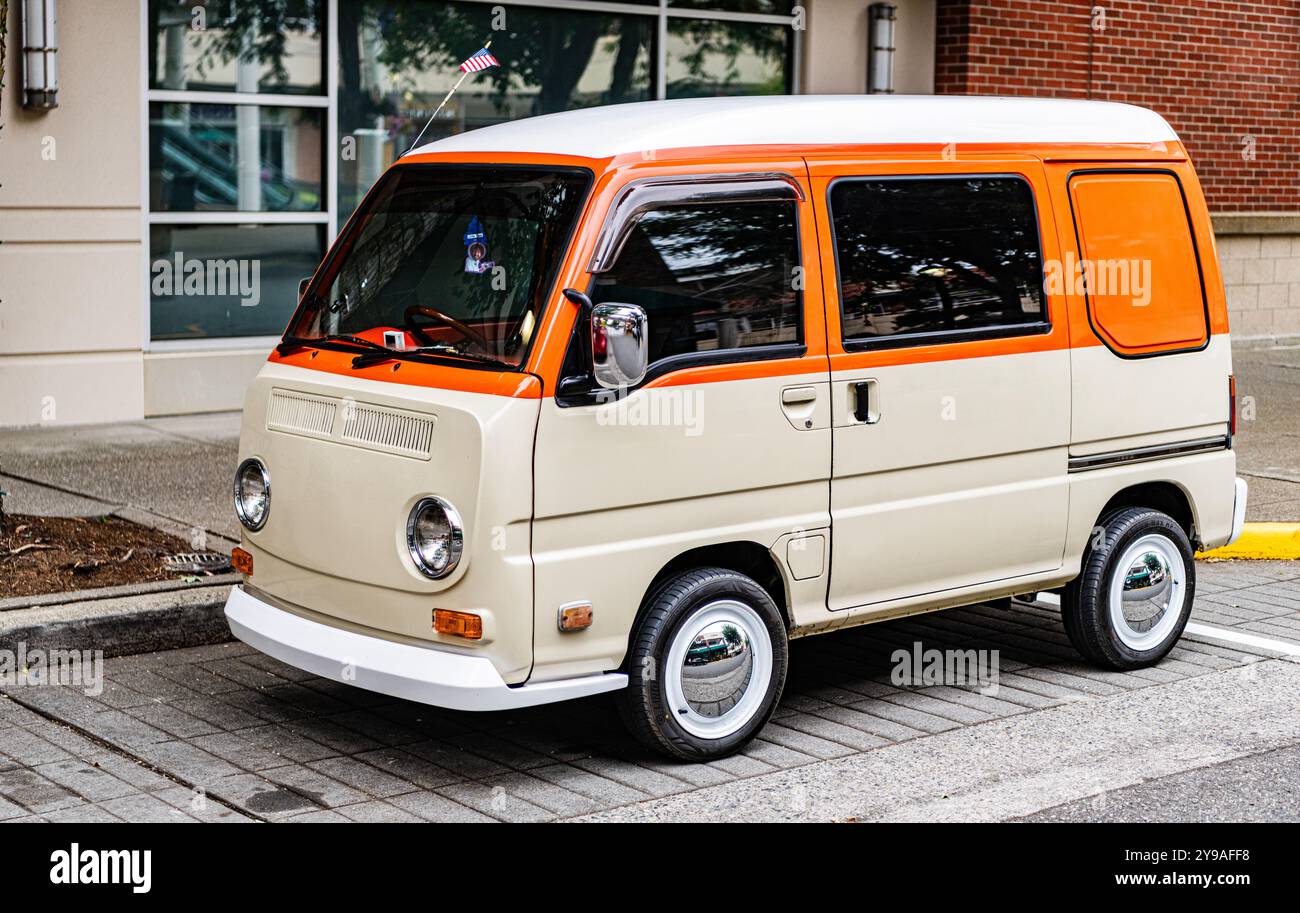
416	374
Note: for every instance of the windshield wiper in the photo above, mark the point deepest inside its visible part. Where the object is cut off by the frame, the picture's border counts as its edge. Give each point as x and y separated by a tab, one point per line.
373	358
298	342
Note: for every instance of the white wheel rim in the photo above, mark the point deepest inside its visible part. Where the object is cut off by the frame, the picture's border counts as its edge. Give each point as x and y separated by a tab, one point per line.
714	689
1148	587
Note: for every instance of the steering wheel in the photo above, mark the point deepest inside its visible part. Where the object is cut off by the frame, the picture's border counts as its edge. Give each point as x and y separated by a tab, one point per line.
420	310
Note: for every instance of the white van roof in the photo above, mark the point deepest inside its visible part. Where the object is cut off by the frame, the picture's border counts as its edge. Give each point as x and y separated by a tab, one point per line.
801	120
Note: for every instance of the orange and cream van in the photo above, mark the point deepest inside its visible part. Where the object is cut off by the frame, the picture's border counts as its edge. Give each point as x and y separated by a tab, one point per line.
624	399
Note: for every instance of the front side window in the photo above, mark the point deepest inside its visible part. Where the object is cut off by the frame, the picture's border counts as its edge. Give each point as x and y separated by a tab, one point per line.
711	278
451	261
923	257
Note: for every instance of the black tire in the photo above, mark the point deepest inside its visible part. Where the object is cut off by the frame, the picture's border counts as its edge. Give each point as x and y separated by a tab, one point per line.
1085	602
644	704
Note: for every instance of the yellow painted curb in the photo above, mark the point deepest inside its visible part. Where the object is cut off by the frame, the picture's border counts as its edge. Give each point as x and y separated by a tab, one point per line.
1262	542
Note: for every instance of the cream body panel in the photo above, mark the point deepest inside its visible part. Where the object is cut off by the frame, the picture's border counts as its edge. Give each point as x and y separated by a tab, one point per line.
961	480
1123	403
810	620
1208	480
617	500
334	541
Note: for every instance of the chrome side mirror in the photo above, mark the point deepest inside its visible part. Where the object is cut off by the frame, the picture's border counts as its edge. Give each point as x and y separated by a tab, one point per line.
619	345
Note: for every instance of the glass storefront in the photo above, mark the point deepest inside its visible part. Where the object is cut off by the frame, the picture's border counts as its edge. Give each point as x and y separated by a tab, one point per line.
198	161
244	110
397	60
227	280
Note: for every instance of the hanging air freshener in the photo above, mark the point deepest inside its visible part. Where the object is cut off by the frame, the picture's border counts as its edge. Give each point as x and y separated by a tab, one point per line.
476	250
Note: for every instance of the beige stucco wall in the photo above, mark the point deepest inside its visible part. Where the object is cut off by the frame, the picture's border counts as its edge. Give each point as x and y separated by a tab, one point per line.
835	49
71	327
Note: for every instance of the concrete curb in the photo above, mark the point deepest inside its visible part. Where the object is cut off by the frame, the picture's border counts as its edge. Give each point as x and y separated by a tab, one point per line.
1261	542
135	624
10	603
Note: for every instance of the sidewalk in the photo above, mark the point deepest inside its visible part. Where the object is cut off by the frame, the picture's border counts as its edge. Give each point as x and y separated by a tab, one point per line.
170	473
1268	444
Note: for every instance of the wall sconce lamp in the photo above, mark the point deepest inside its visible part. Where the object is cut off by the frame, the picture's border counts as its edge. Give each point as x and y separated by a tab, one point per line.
880	60
40	47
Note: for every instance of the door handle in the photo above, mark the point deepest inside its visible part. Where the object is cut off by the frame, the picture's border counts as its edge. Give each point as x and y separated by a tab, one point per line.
794	396
800	406
866	405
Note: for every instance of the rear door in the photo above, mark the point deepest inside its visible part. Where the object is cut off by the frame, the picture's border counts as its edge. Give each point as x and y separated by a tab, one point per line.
950	378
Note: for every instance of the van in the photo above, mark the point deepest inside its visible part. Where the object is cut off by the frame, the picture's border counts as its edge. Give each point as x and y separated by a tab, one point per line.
625	399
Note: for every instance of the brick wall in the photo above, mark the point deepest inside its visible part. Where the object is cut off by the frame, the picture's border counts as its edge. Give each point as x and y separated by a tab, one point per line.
1221	72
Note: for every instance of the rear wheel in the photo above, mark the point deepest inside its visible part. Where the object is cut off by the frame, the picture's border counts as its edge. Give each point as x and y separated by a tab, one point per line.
707	665
1130	604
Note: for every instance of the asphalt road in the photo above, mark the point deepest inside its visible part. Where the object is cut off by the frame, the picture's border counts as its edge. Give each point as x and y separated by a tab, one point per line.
1258	787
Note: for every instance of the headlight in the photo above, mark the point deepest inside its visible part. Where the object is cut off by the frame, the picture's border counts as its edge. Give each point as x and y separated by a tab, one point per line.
435	537
252	494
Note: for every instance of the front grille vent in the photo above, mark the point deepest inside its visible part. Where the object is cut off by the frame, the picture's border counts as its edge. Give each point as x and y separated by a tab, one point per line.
387	429
301	413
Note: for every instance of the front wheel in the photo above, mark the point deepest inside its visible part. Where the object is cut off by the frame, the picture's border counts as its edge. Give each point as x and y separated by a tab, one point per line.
1129	605
706	666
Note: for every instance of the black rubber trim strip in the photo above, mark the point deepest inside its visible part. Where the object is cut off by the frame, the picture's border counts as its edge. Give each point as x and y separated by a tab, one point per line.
1147	454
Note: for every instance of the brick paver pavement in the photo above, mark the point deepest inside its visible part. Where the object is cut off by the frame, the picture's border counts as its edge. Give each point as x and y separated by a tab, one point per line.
224	733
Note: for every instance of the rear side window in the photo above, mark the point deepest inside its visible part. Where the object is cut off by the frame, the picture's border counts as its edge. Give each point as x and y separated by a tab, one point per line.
711	278
931	260
1138	262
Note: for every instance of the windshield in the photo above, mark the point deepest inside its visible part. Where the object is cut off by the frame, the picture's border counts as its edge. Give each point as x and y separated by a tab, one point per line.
447	262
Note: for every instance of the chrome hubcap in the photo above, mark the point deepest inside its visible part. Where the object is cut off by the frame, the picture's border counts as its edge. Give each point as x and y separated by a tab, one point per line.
719	669
1147	592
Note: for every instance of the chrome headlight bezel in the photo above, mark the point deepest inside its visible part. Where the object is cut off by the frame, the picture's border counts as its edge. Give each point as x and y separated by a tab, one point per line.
455	537
248	522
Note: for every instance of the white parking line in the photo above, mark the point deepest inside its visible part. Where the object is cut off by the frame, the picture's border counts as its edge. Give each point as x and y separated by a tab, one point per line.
1225	634
1246	640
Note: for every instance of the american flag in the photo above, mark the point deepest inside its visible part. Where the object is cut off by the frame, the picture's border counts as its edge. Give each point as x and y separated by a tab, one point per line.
480	61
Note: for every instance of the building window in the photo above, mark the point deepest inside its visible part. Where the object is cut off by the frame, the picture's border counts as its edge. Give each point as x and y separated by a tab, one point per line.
398	60
269	121
238	113
923	259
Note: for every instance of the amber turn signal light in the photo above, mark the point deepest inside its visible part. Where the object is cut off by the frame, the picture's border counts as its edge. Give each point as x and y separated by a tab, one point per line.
242	561
575	616
458	624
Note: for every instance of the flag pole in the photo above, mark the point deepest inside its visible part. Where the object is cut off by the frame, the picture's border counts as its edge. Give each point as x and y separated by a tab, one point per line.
444	101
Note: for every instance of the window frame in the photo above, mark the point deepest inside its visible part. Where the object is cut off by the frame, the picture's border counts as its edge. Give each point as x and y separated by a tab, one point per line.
326	217
581	389
1041	327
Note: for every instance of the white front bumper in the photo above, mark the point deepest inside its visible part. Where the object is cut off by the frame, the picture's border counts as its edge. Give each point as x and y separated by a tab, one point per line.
423	674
